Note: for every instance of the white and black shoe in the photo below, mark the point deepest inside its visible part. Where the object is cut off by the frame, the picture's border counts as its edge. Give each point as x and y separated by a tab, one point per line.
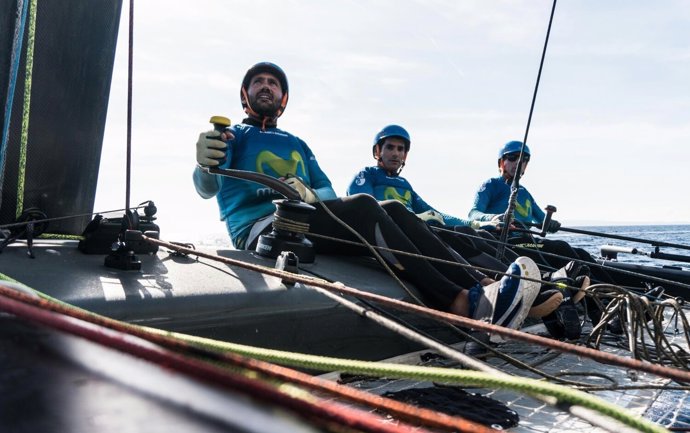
507	302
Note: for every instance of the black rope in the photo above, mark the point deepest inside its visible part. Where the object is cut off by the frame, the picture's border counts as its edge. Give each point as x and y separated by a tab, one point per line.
276	184
626	238
23	223
129	103
508	216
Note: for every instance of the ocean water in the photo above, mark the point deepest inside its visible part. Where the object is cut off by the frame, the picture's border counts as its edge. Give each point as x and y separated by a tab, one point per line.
676	234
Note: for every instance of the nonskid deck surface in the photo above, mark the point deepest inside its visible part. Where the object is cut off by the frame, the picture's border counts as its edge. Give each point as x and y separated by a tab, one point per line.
652	397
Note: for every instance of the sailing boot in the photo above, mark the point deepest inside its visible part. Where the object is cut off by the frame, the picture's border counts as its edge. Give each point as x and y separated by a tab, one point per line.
564	323
508	301
574	274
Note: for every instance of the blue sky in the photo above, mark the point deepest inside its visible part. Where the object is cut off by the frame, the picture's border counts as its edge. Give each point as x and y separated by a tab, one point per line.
610	136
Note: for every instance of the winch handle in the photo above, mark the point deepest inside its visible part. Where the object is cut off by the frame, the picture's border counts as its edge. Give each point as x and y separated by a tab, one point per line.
550	209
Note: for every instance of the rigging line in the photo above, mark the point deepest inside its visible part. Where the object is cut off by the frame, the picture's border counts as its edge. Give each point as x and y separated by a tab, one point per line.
671	373
23	223
442	348
371	248
626	238
407	326
443	261
21	175
449	352
546	267
572	407
212	350
499	354
277	185
130	62
309	407
638	312
504	356
493	271
578	260
508	216
18	38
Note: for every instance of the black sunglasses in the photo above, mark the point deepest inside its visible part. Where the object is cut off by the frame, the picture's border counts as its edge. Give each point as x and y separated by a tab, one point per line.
512	157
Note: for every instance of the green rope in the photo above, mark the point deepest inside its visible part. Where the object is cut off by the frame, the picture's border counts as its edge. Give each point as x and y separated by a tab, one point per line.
4	277
402	371
26	108
434	374
61	236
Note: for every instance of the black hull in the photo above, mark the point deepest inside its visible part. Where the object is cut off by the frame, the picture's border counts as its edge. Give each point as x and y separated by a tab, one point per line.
671	273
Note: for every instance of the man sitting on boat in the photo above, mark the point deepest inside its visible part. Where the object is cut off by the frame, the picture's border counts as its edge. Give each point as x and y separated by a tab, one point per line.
258	145
490	204
390	149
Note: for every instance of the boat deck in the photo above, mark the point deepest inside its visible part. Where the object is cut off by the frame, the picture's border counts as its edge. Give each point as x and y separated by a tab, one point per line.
643	394
221	301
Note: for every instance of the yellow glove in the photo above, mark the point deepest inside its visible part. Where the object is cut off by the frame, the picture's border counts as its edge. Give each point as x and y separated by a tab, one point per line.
210	149
431	215
304	192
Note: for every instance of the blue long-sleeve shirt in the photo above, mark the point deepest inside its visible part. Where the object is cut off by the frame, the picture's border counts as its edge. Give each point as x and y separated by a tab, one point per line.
376	182
273	152
492	199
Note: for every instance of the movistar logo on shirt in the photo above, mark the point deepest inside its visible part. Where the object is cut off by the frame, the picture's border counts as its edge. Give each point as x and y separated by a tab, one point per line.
360	179
271	164
524	211
391	193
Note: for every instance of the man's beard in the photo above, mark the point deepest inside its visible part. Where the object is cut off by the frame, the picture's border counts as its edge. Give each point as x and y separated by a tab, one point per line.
266	110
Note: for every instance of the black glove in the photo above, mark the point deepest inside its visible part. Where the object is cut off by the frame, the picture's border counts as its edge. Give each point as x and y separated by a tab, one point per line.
553	226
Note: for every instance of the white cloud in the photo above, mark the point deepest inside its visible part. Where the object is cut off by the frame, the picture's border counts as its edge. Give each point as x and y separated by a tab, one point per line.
609	130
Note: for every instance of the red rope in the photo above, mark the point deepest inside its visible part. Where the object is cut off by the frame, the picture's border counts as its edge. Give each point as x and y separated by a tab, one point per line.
401	410
607	358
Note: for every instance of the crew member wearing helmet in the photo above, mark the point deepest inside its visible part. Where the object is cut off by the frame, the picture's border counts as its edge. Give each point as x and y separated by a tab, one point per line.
256	145
490	204
247	209
491	200
390	149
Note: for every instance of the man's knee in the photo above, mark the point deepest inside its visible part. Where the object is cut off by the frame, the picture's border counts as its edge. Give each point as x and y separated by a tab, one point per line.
363	204
394	208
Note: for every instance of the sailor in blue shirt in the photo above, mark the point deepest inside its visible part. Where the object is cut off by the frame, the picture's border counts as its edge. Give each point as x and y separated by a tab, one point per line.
384	182
490	204
390	149
491	200
258	145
